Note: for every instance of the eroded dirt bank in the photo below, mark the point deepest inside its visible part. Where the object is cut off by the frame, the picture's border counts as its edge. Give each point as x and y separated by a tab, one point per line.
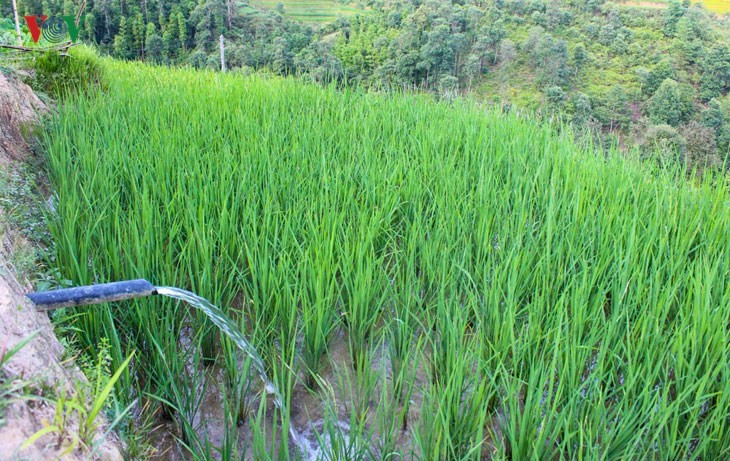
40	363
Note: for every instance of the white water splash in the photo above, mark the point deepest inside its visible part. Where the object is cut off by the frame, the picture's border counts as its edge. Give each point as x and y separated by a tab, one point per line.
230	329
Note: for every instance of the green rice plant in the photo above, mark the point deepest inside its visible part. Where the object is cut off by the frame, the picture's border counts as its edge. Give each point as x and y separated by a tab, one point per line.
231	445
403	341
166	356
238	382
182	392
456	428
285	377
287	319
362	386
396	399
273	306
363	273
319	296
456	405
269	442
259	446
138	433
347	438
275	441
364	291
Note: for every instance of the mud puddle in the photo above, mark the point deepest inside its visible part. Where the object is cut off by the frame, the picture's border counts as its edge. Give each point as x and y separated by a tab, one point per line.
311	412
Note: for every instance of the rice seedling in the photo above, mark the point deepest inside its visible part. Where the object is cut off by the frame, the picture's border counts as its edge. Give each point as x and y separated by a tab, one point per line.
319	299
364	291
180	385
238	382
562	303
271	441
230	447
395	402
350	438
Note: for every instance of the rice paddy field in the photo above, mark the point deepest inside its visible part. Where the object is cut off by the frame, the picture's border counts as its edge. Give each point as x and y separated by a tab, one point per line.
424	280
716	6
310	11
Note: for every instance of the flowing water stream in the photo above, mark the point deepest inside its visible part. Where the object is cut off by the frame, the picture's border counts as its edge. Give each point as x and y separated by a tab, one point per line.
216	315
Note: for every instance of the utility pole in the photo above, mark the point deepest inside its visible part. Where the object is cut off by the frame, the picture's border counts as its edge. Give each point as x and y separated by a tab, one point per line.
17	23
223	54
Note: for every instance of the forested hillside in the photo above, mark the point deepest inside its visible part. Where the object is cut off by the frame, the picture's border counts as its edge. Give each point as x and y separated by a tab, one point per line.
653	77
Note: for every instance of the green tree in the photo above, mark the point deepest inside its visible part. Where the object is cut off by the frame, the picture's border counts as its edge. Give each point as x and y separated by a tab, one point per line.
171	37
283	59
154	46
672	15
89	27
691	32
555	97
493	32
448	86
713	117
123	40
582	110
717	119
436	54
668	105
507	51
198	59
549	57
209	17
651	80
182	29
617	104
715	79
580	57
139	31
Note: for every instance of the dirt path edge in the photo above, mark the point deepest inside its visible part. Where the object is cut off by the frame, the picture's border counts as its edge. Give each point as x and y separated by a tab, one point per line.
40	362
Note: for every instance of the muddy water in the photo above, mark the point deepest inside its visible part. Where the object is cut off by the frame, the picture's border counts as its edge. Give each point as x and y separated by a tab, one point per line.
308	410
230	329
227	326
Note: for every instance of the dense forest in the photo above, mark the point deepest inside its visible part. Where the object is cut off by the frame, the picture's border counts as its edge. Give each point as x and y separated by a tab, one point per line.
647	77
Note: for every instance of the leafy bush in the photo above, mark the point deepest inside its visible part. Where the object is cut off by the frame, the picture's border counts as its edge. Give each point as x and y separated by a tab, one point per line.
664	144
58	75
7	31
701	146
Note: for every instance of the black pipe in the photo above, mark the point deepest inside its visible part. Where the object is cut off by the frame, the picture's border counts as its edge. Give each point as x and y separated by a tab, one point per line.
92	294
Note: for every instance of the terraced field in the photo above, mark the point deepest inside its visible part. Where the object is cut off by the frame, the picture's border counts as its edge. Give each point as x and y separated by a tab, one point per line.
310	11
716	6
486	291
